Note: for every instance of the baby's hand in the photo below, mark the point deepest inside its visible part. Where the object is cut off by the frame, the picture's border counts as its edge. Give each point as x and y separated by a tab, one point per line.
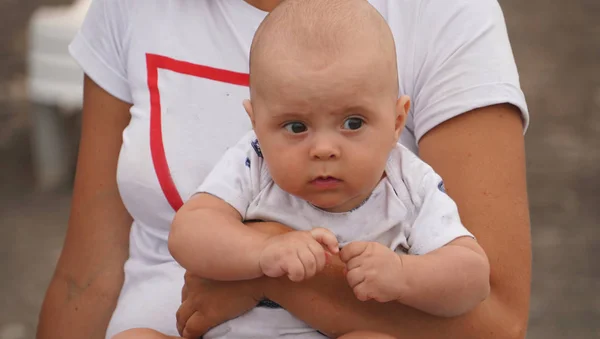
299	254
373	271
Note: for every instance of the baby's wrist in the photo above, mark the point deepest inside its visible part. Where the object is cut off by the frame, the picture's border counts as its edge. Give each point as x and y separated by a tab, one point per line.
403	289
257	254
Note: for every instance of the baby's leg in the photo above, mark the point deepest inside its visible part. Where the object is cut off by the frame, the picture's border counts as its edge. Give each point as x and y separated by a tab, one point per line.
142	333
366	335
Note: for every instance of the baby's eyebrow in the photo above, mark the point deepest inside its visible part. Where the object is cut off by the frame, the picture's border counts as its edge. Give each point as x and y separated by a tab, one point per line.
288	115
349	110
339	112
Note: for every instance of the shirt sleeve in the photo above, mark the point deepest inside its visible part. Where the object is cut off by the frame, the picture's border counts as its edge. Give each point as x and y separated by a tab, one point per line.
435	220
463	60
99	49
236	177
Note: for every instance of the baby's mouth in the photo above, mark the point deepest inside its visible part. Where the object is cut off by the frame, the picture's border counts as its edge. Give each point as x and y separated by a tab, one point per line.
325	182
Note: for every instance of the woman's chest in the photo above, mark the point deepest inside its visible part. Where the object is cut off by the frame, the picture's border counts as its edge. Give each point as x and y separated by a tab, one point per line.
187	68
188	82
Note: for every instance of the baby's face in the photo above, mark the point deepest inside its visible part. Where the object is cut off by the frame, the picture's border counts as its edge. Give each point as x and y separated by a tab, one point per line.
326	130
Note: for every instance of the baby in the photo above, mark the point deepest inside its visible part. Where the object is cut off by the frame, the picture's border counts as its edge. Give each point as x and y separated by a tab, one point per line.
324	159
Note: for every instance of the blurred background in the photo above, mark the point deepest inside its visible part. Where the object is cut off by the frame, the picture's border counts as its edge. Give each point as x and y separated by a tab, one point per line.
557	48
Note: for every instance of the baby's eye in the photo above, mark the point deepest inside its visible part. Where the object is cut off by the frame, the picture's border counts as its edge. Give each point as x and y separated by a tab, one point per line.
353	123
295	127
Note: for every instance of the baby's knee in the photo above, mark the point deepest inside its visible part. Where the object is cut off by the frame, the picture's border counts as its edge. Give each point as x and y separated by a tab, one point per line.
140	333
366	335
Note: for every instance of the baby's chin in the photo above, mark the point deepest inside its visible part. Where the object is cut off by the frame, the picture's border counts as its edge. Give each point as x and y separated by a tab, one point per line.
334	201
332	205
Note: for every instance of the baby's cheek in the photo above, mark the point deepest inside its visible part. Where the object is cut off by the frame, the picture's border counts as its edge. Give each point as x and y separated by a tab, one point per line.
287	171
287	163
369	170
367	159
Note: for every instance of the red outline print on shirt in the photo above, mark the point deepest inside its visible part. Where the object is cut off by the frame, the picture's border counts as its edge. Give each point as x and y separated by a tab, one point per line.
155	62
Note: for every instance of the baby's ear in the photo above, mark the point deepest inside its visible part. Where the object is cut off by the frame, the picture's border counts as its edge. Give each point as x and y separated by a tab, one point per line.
402	108
248	107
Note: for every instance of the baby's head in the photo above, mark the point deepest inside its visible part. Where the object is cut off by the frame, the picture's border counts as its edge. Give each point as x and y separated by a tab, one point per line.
324	99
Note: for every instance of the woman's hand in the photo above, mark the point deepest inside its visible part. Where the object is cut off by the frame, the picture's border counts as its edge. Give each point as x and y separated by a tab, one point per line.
206	303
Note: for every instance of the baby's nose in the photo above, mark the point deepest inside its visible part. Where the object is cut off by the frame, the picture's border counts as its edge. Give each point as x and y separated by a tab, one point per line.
324	149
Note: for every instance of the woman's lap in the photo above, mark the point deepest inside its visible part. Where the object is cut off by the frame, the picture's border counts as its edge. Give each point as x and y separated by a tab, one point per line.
144	333
156	289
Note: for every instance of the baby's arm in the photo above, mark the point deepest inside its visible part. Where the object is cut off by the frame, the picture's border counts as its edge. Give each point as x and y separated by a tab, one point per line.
446	282
209	239
447	271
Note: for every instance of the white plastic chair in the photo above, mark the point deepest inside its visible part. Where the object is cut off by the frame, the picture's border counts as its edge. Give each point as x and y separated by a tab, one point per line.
54	86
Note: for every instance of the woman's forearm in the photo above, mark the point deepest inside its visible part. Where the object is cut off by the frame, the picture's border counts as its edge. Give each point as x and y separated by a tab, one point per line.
84	290
329	305
75	309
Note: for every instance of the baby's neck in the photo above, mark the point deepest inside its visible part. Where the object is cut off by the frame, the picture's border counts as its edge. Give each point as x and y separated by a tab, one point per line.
354	203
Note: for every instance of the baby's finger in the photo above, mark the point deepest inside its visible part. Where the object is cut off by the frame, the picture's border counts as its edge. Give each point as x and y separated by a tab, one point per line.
326	238
319	254
308	260
355	277
361	292
294	268
353	249
354	263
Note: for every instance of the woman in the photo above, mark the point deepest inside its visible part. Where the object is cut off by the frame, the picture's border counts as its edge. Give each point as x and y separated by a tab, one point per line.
162	101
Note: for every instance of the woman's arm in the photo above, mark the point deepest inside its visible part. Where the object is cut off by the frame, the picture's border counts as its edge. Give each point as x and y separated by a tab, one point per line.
88	278
481	157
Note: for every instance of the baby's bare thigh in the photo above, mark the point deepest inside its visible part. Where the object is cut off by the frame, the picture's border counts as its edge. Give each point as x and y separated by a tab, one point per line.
142	333
366	335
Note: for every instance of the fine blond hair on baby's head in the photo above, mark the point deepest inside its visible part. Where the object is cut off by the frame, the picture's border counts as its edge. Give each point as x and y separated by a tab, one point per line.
321	32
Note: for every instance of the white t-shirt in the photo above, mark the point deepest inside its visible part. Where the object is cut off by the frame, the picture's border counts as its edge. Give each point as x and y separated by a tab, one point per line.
408	211
183	65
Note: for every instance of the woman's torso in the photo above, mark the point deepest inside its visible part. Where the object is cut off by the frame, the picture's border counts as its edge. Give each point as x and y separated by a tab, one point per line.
185	65
200	119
